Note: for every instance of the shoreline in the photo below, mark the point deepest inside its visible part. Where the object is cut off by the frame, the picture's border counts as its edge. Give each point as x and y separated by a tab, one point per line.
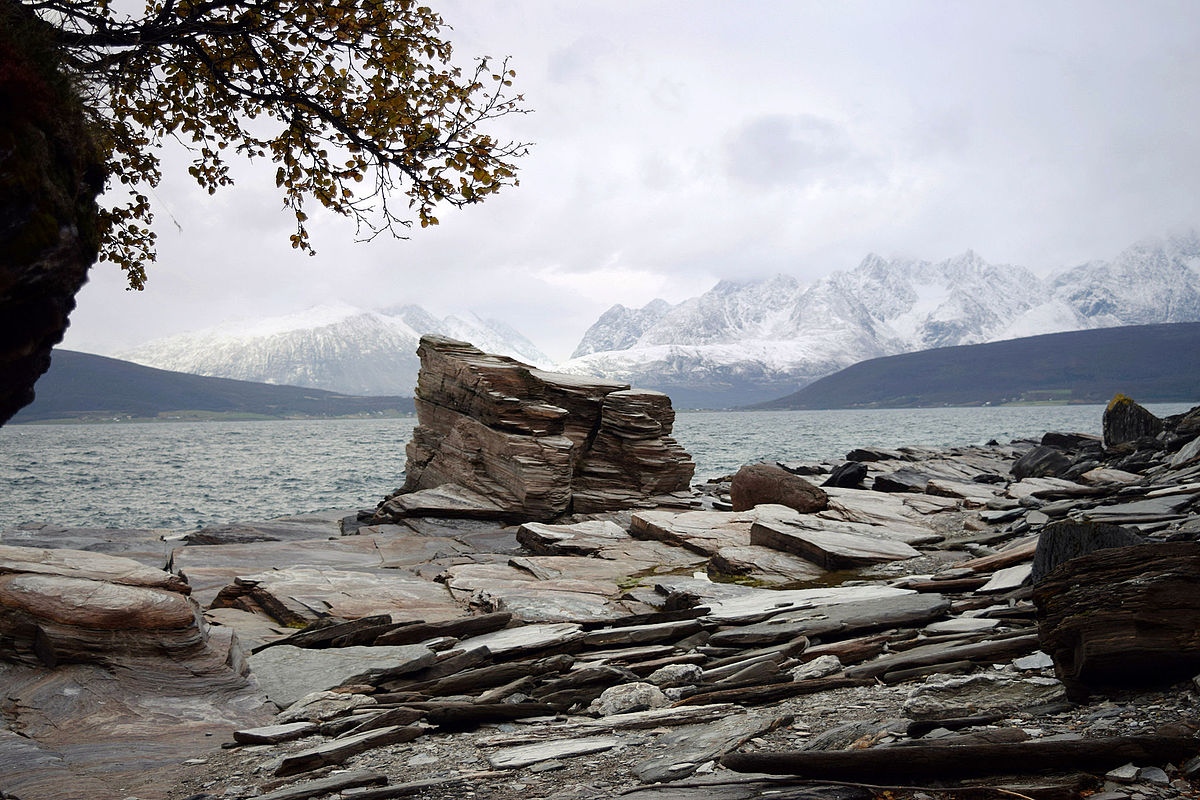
576	584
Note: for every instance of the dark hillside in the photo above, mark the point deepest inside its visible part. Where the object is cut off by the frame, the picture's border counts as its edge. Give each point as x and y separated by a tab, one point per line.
86	386
1154	363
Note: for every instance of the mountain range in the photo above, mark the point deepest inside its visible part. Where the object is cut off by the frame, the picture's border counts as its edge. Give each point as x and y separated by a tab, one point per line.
748	341
336	347
741	342
1152	363
83	386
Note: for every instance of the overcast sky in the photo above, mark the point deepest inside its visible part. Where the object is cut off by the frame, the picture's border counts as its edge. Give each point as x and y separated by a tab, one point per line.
679	143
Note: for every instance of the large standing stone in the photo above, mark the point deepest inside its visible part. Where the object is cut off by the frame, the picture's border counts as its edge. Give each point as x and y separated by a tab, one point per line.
1062	541
1125	421
534	444
1125	616
762	484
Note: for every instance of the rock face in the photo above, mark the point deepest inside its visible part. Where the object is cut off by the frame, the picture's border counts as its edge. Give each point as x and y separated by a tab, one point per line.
535	444
1126	421
50	174
109	673
760	484
1121	617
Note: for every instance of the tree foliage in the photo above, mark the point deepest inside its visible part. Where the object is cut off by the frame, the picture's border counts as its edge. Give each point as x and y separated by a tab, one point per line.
357	102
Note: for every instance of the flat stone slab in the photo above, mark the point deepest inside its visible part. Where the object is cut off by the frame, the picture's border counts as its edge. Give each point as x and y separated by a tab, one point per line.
1139	510
842	618
756	604
527	638
580	539
898	512
300	595
686	749
144	545
524	755
703	532
448	500
950	696
84	565
830	549
962	625
283	529
274	734
763	564
1007	579
289	673
338	750
253	630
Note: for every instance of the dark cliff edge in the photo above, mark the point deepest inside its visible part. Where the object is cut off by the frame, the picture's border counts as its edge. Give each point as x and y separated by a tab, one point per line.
81	386
50	174
1155	363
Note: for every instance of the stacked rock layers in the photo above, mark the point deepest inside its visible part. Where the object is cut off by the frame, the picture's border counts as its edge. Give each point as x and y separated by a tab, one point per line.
537	443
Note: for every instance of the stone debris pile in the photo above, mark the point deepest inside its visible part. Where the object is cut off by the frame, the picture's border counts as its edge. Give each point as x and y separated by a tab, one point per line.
951	617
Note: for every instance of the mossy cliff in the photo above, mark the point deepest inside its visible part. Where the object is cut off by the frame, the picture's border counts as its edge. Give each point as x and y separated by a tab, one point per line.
50	174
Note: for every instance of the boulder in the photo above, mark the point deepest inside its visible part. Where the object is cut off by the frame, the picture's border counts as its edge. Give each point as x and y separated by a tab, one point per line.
628	697
1122	617
1041	462
503	439
1126	421
1062	541
762	484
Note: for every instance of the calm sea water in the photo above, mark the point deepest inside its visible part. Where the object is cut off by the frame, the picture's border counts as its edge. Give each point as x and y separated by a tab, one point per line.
187	475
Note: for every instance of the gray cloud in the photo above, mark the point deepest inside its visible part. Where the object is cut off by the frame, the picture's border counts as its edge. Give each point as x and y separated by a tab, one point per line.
678	143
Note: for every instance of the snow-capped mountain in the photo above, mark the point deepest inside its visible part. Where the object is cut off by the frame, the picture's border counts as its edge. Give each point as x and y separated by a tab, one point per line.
336	347
742	342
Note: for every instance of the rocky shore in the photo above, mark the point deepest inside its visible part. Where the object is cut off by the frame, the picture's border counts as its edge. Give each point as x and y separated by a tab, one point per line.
1018	619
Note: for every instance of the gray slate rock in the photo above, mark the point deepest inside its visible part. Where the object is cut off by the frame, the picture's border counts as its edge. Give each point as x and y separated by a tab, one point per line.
289	673
1041	462
685	749
1062	541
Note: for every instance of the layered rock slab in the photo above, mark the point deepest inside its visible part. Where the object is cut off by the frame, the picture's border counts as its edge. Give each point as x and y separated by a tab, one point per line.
499	438
1122	617
110	674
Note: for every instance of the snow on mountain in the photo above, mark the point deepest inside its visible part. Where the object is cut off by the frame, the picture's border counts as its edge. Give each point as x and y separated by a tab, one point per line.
745	341
336	347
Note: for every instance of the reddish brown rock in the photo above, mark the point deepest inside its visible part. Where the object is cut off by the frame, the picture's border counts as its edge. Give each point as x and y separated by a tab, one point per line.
532	444
760	484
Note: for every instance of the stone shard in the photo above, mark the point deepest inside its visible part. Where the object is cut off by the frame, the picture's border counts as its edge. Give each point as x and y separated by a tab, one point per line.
499	438
831	549
1122	617
768	484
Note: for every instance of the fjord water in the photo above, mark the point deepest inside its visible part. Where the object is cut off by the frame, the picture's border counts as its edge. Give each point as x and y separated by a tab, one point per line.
186	475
